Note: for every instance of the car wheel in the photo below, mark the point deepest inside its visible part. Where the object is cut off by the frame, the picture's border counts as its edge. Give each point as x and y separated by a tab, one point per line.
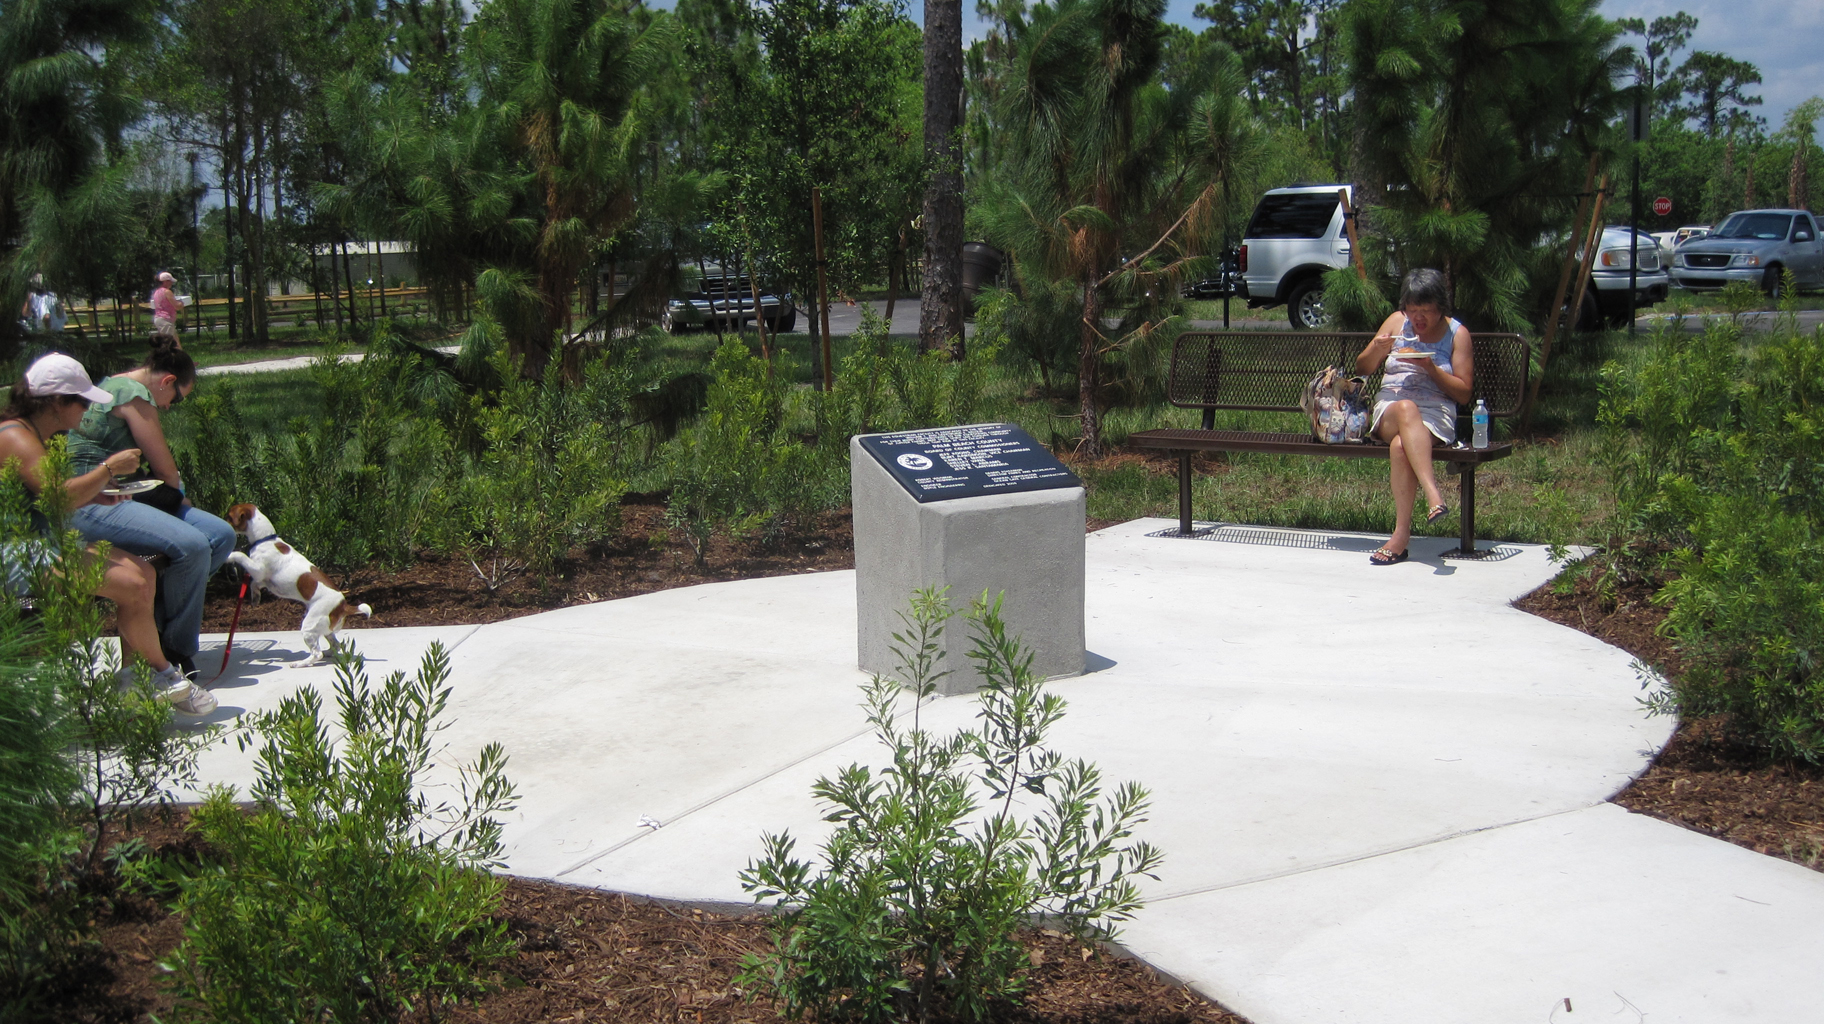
784	325
1772	283
1305	306
670	323
1589	313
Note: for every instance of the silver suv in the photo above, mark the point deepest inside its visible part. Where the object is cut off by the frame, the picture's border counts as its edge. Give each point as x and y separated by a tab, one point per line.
1294	236
1754	246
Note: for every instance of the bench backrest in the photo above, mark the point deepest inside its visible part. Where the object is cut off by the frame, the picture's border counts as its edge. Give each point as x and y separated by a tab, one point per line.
1267	370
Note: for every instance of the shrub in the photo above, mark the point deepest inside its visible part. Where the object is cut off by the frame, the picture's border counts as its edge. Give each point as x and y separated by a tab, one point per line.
935	390
736	470
38	783
1728	468
548	478
346	894
934	862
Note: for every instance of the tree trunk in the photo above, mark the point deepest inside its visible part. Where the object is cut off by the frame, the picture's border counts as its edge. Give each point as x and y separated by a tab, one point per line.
1089	360
940	317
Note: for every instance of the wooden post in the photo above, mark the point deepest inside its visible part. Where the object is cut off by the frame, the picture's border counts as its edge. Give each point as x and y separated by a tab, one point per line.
1355	244
823	286
1564	285
1591	243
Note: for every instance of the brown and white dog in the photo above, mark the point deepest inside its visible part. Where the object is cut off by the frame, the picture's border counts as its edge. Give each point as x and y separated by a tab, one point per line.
276	566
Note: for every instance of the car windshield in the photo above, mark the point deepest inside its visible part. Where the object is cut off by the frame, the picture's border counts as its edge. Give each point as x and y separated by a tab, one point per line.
1769	226
1292	216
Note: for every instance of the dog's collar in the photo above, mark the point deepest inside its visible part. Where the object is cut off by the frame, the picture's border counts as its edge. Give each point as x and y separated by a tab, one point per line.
254	544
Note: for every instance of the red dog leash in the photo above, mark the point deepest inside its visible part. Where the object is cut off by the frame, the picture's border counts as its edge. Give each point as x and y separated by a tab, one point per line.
233	624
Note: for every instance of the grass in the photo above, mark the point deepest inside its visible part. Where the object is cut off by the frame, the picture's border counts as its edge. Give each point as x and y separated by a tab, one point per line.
1692	303
1552	490
1211	309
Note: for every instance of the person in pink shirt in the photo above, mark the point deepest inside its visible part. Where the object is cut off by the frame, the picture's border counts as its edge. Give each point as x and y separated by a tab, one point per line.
165	307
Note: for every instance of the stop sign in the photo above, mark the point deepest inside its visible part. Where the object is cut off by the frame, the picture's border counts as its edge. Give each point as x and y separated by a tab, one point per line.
1662	206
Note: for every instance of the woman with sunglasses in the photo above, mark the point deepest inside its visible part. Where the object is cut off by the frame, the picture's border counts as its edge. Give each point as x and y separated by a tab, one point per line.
196	542
49	400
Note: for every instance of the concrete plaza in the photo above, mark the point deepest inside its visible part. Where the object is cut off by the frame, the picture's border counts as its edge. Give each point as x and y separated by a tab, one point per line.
1381	792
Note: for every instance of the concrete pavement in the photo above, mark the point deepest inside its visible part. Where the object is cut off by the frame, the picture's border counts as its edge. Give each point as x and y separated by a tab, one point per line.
1381	791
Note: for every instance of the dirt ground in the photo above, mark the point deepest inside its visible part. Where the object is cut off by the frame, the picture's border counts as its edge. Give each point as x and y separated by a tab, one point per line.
588	955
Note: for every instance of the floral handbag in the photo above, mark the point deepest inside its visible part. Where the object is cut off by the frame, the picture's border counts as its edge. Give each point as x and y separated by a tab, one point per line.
1338	406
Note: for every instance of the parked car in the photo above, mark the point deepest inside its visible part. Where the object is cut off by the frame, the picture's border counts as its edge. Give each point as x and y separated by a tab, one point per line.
1608	292
1225	280
1294	237
727	301
1756	246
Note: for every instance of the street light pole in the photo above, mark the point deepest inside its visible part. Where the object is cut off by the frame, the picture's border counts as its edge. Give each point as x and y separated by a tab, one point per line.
1640	133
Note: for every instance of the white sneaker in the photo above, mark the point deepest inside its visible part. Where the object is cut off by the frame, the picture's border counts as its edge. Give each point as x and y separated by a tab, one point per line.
184	696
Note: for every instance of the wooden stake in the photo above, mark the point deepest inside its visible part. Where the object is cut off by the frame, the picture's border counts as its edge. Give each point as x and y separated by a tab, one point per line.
1592	242
823	287
1564	285
1355	244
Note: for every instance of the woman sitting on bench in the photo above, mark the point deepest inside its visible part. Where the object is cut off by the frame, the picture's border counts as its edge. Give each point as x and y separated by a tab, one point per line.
1426	364
50	399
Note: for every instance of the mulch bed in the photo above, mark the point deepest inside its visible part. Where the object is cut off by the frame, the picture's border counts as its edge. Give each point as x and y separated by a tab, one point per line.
588	955
645	556
584	954
1706	779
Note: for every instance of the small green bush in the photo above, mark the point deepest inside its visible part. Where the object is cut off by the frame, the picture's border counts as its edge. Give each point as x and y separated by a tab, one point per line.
38	786
736	470
549	477
1728	468
937	859
347	894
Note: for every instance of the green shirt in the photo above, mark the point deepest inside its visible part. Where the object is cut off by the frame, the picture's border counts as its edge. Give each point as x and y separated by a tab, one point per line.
101	433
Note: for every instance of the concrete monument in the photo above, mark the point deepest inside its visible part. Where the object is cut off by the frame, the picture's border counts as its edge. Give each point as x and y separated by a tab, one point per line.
977	508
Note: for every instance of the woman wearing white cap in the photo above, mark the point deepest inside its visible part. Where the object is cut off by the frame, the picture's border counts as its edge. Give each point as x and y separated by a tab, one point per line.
50	399
165	307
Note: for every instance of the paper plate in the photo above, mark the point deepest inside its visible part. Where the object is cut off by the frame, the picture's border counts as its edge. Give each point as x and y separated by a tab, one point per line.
132	487
1411	355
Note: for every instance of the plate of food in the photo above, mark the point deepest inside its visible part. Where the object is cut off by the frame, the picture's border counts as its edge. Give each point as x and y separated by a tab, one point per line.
128	488
1411	353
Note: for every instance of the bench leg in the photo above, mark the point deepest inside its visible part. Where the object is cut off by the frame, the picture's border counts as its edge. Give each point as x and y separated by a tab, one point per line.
1466	516
1466	521
1184	494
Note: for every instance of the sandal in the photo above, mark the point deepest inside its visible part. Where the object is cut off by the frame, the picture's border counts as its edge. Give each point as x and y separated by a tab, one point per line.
1437	512
1386	557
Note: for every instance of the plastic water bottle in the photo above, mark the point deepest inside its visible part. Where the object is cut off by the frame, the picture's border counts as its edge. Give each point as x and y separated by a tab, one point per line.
1481	421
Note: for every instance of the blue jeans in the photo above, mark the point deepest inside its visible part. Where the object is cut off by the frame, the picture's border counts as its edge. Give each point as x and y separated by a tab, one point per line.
197	544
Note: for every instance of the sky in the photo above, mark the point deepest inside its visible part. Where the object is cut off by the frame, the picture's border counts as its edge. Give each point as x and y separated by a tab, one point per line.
1784	38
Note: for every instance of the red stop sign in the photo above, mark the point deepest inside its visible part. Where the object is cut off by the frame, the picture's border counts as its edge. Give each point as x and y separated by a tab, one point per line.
1662	206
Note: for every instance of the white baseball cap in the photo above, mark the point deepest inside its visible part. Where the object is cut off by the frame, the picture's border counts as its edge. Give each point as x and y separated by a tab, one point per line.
166	277
58	374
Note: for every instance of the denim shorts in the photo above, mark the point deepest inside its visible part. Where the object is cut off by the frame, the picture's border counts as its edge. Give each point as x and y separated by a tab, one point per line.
20	560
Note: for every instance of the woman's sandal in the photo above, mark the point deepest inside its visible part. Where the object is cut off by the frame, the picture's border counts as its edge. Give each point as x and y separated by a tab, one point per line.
1437	512
1386	557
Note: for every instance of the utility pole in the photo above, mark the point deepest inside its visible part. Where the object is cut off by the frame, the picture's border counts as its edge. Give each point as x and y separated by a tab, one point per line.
1638	129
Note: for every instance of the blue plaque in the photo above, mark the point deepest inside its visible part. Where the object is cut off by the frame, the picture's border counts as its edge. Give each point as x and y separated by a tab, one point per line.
966	462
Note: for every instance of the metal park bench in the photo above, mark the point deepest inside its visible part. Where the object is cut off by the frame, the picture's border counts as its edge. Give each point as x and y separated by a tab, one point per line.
1266	372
